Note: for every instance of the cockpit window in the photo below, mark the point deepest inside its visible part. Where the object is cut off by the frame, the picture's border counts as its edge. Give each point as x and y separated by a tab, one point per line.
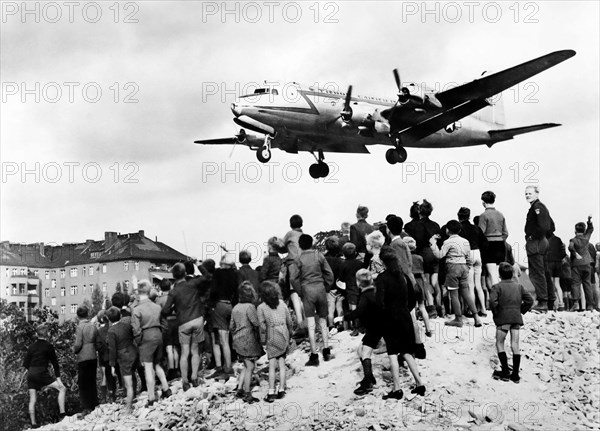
261	91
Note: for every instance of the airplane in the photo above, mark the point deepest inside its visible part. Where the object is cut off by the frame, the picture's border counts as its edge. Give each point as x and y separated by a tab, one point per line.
319	120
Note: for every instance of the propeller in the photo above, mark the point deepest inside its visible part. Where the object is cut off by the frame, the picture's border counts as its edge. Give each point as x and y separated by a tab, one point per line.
238	139
346	113
403	92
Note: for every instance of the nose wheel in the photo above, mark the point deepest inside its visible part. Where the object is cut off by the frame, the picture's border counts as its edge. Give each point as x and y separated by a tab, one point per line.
263	154
319	169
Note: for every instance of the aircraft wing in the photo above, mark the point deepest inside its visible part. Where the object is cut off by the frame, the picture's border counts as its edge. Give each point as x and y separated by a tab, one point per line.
219	141
433	124
500	81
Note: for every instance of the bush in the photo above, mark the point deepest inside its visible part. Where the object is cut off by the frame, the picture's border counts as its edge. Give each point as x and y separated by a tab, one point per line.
16	335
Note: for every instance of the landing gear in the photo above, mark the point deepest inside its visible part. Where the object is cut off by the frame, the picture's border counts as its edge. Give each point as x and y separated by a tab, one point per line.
263	154
319	169
396	155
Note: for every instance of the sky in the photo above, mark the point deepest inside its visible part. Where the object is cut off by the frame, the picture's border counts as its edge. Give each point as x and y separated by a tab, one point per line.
101	103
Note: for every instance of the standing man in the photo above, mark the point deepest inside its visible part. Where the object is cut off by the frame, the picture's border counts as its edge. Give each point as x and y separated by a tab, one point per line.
538	226
145	321
186	299
309	274
580	264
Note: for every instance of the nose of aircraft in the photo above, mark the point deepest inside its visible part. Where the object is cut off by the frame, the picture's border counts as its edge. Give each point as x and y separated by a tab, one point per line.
235	109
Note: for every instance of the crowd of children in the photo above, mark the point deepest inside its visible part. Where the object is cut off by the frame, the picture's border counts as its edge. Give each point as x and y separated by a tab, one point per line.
378	280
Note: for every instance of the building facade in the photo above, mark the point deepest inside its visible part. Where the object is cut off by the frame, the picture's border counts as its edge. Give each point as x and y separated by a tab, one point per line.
62	277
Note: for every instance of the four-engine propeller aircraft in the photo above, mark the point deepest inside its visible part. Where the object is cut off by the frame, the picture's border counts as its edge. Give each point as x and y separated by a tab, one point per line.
320	121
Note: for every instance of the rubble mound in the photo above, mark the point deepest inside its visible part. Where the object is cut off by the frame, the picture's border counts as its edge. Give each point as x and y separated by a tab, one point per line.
559	388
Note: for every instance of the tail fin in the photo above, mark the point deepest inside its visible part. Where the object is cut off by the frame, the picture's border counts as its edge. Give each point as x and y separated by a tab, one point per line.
506	134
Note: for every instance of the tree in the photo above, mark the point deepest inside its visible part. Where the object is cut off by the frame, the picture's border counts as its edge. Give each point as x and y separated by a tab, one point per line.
97	300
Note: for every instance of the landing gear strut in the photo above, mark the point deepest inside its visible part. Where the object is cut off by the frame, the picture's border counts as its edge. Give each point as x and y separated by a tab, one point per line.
319	169
263	154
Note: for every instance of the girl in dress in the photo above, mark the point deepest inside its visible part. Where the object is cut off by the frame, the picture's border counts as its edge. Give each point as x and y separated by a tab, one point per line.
244	328
275	325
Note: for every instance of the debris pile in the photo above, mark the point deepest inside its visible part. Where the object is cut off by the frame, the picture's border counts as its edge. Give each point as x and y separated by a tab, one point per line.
559	388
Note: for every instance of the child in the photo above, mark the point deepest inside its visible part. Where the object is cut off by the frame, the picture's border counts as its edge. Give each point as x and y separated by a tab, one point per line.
244	329
417	270
121	350
370	314
348	276
508	300
581	270
38	356
457	252
275	325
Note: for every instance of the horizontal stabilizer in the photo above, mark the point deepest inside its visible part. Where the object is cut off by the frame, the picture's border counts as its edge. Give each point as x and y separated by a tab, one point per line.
219	141
506	134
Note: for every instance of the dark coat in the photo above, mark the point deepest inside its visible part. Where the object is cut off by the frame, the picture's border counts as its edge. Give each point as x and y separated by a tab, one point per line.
358	231
249	274
508	301
367	310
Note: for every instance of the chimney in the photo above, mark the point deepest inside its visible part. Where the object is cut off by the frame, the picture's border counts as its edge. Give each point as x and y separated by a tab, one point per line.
141	233
41	248
109	239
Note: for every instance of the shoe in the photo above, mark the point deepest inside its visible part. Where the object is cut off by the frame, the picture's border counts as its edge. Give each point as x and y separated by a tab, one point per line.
478	323
354	333
217	371
313	361
561	308
468	314
35	426
150	403
166	394
225	375
326	354
333	331
482	314
440	311
420	352
394	395
270	398
240	393
197	382
501	375
186	386
365	387
540	307
454	322
61	416
419	390
248	398
515	379
280	395
428	333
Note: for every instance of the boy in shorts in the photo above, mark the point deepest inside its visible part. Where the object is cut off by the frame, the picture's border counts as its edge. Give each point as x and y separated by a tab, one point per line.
122	351
38	356
457	252
508	300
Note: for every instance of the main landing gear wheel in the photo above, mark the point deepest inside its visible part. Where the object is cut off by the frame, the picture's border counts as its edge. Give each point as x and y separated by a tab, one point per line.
396	155
318	170
263	154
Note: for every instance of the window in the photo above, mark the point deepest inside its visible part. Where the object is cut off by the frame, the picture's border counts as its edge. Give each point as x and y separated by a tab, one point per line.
53	283
73	290
22	289
14	289
53	300
63	291
91	272
95	254
104	287
36	272
136	266
125	266
104	268
47	275
73	308
73	272
23	271
62	273
47	292
83	290
7	272
15	272
83	270
63	309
